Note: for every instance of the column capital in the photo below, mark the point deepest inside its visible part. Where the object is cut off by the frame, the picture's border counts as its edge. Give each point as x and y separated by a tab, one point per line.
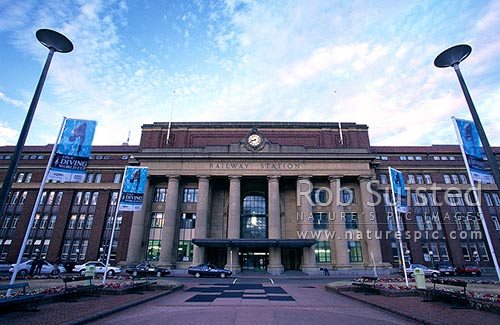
203	177
304	177
173	177
333	178
274	178
234	177
365	178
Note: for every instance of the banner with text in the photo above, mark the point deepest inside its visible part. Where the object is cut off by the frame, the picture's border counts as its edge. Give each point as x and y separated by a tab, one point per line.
134	184
73	151
399	190
472	151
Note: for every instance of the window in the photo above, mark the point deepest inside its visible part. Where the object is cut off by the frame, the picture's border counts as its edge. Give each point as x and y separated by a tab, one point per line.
347	195
323	252
72	222
488	200
90	221
463	178
97	178
383	178
20	178
190	195
411	179
420	179
188	221
420	222
90	178
185	251
351	221
402	157
320	221
355	254
160	195
428	179
496	199
454	178
157	220
27	179
447	179
319	196
496	223
95	196
418	157
117	178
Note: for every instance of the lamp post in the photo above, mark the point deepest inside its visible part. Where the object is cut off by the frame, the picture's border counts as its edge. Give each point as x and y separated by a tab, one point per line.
101	254
475	254
431	254
55	42
408	256
452	58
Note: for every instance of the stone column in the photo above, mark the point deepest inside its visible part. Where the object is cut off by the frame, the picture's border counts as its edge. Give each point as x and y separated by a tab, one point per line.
369	220
140	220
275	266
339	242
304	189
200	229
167	256
233	223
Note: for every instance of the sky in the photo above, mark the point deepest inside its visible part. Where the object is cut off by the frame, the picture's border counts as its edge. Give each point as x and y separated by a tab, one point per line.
140	62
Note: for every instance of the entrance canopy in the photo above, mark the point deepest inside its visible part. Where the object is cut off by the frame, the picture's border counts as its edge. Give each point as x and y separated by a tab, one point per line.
289	243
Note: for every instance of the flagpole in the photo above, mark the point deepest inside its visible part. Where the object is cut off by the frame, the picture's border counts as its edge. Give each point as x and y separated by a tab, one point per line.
114	227
478	200
398	226
35	208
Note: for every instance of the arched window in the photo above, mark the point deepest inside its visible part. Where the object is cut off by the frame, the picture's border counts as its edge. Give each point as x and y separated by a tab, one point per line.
254	217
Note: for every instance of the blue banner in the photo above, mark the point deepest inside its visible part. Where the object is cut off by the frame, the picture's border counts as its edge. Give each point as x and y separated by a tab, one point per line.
473	151
73	151
399	190
133	187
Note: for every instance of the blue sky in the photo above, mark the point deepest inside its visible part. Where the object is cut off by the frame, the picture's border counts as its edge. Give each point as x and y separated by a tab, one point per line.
369	62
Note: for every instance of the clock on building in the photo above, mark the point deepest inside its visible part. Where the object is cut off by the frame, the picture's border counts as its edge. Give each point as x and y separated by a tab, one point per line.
254	140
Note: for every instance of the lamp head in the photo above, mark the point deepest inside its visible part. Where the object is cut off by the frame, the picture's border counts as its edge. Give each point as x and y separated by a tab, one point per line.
54	40
453	55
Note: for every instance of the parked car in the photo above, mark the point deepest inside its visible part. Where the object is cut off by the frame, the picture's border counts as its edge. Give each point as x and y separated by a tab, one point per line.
99	268
145	269
446	268
47	268
208	270
468	270
428	272
4	266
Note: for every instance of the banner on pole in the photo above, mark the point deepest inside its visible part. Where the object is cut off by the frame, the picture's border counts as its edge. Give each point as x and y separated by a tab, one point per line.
399	190
133	186
73	151
472	151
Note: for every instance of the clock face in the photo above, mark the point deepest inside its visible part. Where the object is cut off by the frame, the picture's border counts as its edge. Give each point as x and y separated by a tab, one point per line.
254	140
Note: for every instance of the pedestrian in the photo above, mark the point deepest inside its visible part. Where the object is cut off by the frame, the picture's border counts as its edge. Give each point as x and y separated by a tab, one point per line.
57	263
33	266
325	270
38	266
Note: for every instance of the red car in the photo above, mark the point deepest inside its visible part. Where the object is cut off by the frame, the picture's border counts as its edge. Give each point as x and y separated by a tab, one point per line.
468	270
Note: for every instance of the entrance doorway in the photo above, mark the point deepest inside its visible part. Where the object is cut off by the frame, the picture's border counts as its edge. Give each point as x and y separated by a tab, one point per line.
254	259
291	258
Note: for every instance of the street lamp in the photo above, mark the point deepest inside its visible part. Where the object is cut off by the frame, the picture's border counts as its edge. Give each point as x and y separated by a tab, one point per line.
452	58
431	254
55	42
101	254
475	254
408	256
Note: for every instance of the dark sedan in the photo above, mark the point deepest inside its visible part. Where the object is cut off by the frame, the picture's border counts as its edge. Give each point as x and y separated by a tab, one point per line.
208	270
147	269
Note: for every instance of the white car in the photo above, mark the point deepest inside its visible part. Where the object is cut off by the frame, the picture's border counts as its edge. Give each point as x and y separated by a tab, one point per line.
427	271
47	268
99	268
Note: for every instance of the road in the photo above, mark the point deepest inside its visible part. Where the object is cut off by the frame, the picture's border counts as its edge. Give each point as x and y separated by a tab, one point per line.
253	300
